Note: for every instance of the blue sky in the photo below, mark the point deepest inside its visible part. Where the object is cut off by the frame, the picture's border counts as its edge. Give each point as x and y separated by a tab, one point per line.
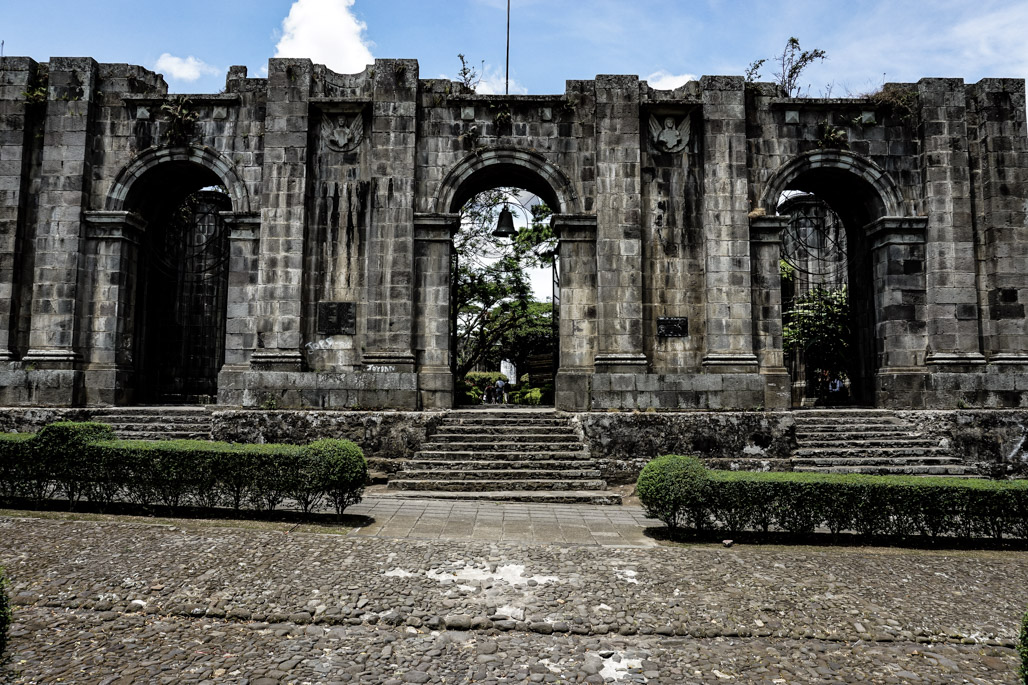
193	42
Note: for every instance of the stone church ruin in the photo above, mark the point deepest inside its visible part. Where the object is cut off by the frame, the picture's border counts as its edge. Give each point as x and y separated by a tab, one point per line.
289	241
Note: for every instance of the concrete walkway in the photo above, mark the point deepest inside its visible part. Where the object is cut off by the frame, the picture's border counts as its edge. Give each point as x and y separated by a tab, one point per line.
573	524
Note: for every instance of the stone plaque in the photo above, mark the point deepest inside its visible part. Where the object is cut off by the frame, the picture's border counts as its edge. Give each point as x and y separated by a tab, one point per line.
672	327
337	318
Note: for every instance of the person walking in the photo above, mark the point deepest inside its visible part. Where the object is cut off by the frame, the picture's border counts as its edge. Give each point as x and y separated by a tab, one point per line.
501	391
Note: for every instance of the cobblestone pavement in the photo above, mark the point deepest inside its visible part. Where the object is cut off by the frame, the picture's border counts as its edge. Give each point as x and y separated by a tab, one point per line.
132	602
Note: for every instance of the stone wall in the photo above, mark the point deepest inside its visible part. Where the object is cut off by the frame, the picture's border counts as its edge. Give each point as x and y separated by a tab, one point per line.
345	191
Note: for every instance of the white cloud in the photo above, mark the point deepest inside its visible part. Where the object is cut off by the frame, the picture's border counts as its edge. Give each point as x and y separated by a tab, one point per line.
327	32
184	68
493	83
664	80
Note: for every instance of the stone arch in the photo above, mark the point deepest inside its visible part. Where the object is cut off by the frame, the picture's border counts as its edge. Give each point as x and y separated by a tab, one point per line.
155	157
885	196
480	171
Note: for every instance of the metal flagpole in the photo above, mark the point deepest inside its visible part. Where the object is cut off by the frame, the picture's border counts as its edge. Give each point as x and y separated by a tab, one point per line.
506	79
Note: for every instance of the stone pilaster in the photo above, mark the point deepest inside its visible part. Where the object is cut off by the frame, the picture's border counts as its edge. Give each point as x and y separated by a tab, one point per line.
729	324
765	258
433	250
576	253
241	313
897	264
952	298
1000	160
389	319
112	251
66	173
19	75
619	280
283	216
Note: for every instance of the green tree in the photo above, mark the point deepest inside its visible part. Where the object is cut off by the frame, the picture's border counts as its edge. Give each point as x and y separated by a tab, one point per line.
497	316
818	325
790	66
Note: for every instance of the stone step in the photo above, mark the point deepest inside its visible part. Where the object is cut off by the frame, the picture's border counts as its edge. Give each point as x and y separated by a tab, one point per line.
499	465
497	421
876	461
534	496
162	435
833	413
502	446
520	438
495	485
910	470
884	429
496	455
451	432
499	474
858	442
868	451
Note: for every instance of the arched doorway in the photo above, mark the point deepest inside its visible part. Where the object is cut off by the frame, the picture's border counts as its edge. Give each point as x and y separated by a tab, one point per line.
503	308
181	265
832	197
529	179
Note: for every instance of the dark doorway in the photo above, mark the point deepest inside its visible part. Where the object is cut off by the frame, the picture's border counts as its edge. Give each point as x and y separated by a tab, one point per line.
825	305
183	297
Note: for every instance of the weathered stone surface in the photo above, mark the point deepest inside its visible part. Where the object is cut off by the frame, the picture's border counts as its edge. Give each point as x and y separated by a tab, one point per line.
342	193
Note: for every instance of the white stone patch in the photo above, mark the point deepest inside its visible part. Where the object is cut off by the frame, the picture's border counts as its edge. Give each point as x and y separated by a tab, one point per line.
627	575
616	668
603	607
516	613
512	574
398	573
553	667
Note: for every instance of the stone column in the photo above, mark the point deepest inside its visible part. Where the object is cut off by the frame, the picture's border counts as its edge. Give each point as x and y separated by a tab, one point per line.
433	251
241	312
283	216
1000	159
64	193
19	75
729	324
765	257
619	266
897	264
388	309
577	344
952	296
112	252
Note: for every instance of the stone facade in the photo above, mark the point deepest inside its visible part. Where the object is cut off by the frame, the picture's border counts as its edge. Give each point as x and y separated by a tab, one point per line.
345	191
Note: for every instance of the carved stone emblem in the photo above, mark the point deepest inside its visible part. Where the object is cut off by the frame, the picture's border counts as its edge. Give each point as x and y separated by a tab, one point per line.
667	136
343	135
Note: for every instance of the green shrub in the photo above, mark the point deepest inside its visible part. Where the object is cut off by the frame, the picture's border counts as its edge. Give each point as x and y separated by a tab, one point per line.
1022	649
672	489
5	616
347	470
897	506
60	452
13	463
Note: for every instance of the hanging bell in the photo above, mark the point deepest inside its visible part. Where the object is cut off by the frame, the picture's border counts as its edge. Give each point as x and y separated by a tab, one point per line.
505	224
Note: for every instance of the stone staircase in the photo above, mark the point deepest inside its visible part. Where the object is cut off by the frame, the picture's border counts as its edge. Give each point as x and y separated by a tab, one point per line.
873	441
156	422
523	455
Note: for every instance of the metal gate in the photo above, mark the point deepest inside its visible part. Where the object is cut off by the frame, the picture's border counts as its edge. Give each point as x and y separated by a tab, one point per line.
185	286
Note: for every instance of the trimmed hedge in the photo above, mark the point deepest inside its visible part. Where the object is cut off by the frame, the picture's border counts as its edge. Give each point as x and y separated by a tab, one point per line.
84	461
5	616
894	506
672	488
